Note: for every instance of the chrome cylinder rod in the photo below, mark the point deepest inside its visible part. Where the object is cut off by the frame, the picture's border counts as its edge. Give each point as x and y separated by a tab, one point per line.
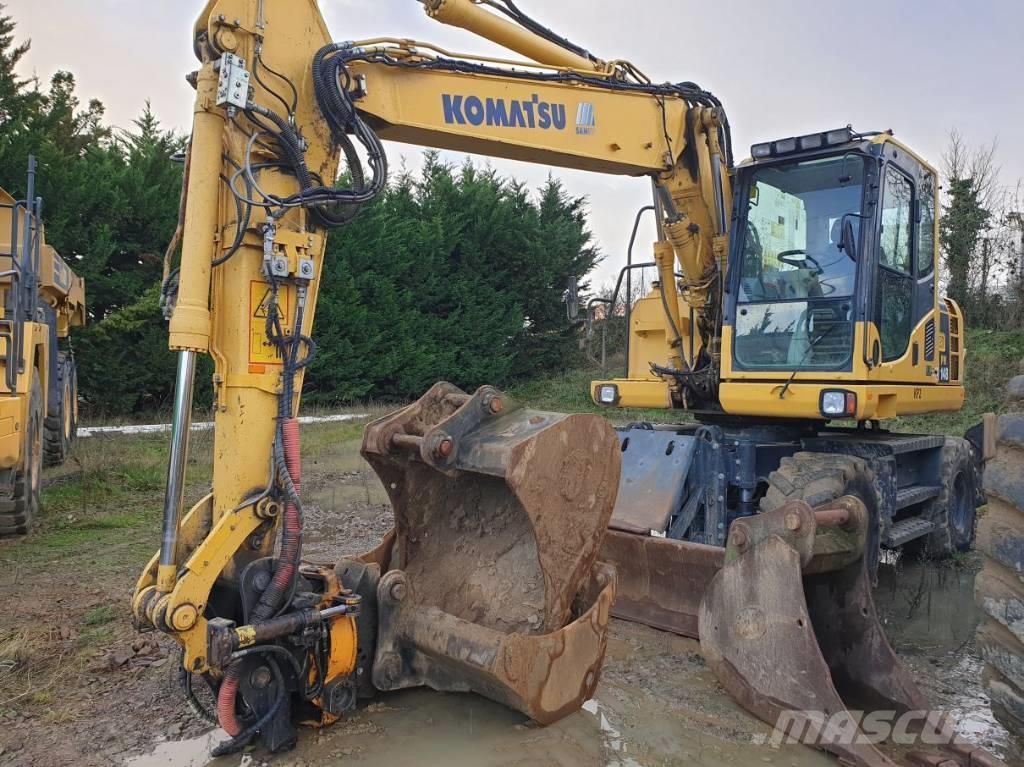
181	426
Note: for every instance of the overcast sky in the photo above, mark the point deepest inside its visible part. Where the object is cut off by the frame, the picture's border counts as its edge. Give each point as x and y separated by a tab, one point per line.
781	68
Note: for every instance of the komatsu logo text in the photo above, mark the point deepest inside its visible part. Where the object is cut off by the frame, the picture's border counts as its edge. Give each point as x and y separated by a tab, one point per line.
503	113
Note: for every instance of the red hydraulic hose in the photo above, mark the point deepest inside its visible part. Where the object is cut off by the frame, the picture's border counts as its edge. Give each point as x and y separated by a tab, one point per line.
291	537
226	701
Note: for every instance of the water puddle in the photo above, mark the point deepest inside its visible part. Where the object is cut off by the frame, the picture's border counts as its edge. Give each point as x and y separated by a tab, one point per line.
612	737
657	704
194	752
930	617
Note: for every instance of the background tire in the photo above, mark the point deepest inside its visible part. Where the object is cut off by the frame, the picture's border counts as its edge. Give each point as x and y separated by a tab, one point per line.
61	424
954	510
999	588
19	514
822	477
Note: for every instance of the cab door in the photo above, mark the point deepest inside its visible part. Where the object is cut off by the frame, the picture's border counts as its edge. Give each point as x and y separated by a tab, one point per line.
904	280
894	289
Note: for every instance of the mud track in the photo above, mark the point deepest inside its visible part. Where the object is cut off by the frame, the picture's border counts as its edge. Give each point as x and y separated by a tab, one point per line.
86	690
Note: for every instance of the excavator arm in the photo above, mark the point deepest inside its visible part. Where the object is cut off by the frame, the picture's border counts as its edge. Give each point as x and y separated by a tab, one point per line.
275	103
489	582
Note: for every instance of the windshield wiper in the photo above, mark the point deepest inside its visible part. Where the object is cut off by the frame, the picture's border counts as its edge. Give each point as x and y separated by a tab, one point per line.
811	346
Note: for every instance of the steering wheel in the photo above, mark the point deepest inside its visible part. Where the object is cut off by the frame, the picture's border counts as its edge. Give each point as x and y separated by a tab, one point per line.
784	257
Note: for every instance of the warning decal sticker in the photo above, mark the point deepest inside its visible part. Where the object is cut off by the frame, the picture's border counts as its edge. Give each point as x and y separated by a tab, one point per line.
261	351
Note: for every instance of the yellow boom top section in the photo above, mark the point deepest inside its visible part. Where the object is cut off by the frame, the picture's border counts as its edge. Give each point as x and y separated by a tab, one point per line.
565	107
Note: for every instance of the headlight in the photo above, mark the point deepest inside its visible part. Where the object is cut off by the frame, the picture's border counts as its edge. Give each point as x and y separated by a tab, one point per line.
761	151
838	404
785	146
840	136
608	394
814	141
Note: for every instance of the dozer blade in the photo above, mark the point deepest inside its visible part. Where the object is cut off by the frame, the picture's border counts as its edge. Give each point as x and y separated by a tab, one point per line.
786	621
660	581
490	583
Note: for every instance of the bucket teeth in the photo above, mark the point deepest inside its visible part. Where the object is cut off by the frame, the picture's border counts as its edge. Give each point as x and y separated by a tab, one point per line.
491	582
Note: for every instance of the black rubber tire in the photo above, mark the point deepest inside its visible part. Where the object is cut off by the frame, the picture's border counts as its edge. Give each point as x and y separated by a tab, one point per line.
822	477
60	428
999	587
953	510
19	514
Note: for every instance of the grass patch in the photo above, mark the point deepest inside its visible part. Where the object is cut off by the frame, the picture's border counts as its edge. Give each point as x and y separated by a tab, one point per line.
100	616
97	636
17	648
320	438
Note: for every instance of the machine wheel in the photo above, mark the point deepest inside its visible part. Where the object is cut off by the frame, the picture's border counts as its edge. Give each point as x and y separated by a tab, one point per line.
822	477
61	424
954	510
18	514
999	588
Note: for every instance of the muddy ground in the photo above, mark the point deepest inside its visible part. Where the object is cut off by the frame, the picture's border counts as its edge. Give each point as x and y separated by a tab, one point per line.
79	687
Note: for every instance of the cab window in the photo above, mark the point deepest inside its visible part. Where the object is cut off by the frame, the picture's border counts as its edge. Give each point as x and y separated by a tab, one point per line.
896	222
926	229
895	279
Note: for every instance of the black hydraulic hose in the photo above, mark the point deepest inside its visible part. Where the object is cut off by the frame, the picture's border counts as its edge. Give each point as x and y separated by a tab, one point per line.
185	680
300	671
243	217
270	649
540	30
629	276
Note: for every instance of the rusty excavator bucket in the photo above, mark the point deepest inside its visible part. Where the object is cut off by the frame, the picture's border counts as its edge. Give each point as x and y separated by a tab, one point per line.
786	620
490	581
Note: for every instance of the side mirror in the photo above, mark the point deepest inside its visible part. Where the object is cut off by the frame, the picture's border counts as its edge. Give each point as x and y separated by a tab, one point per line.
849	243
571	299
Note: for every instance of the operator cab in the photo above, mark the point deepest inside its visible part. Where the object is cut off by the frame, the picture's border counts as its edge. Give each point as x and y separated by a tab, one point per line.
807	212
832	266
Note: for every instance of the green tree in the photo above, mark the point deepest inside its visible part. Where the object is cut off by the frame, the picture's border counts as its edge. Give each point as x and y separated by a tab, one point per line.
17	96
964	219
458	276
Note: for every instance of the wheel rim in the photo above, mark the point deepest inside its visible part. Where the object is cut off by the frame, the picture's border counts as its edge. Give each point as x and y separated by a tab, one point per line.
960	507
67	410
33	467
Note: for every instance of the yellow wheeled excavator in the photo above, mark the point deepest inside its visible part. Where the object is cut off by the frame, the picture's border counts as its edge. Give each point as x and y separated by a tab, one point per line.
497	577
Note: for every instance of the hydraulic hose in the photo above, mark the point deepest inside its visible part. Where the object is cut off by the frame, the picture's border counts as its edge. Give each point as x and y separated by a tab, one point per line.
284	575
226	701
291	536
